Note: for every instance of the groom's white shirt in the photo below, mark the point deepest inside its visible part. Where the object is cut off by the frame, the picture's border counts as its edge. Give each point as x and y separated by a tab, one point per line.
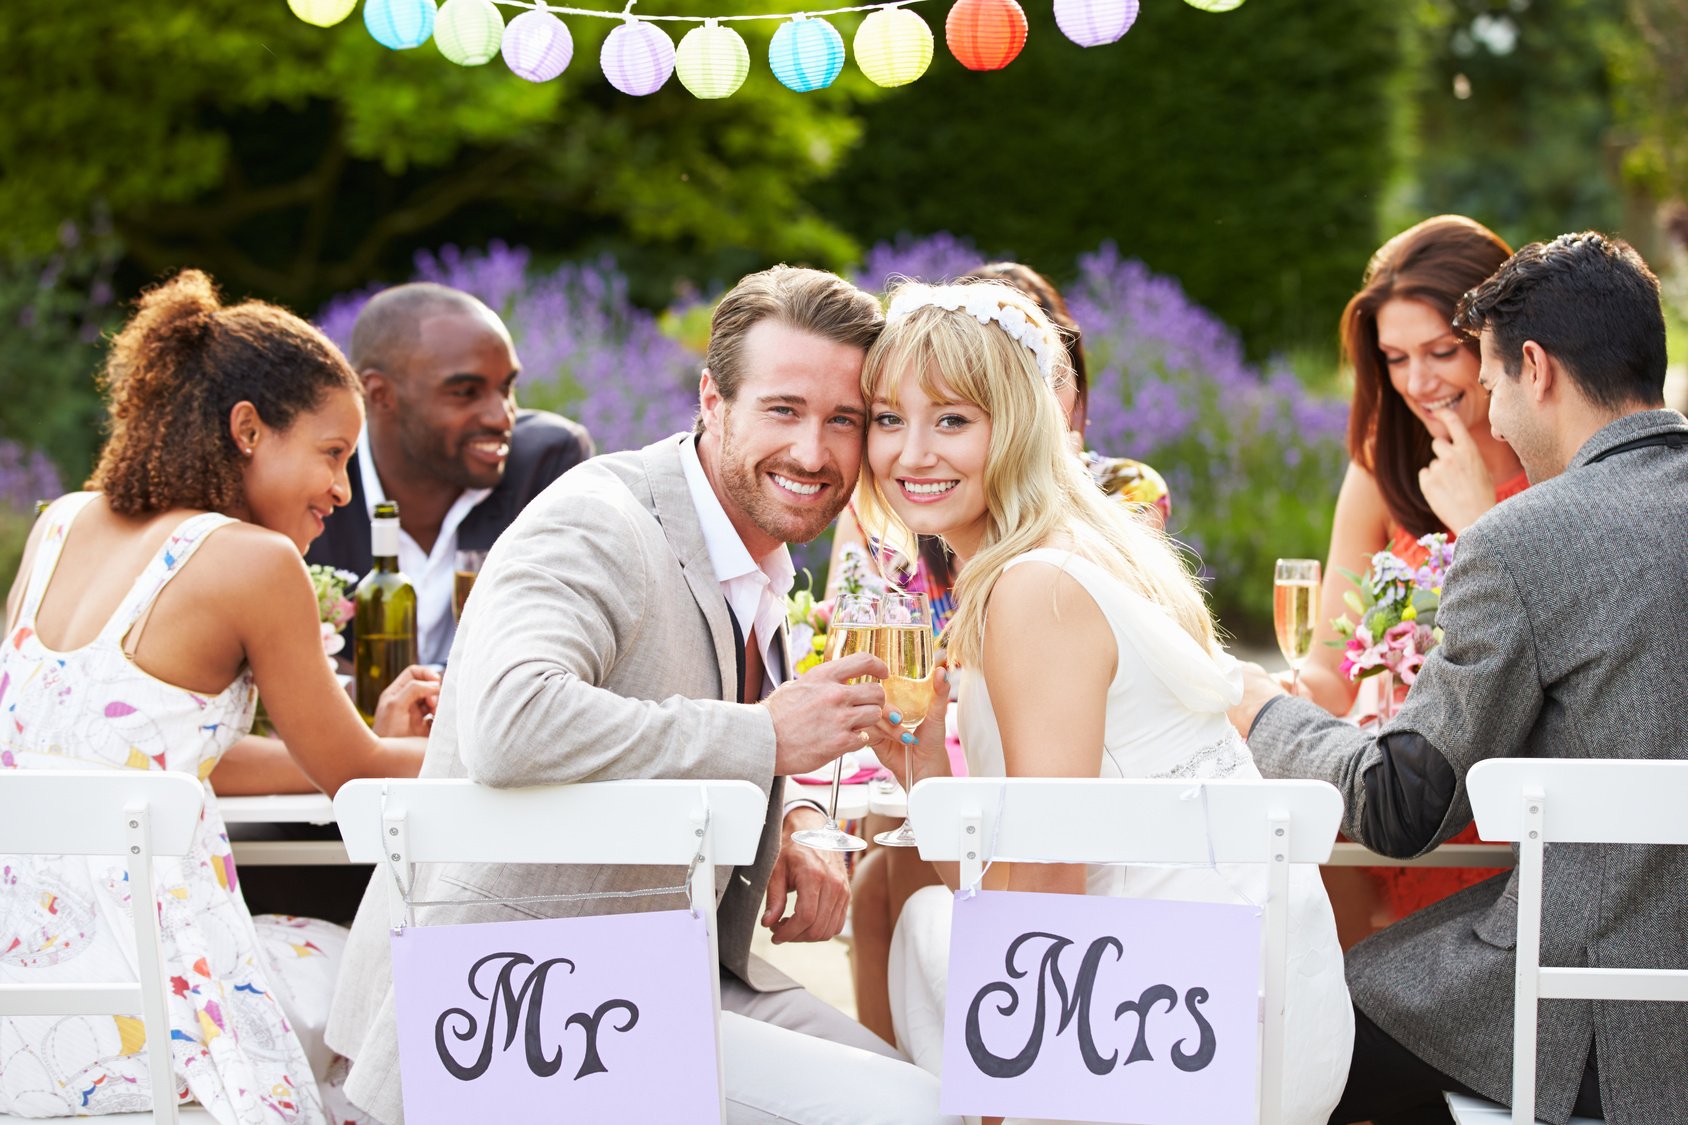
756	590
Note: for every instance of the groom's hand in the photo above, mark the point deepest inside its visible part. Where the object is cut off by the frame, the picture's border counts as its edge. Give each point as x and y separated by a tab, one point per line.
819	715
820	880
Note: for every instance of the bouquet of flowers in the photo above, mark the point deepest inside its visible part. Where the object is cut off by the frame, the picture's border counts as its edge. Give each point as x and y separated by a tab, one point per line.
808	617
334	608
1396	605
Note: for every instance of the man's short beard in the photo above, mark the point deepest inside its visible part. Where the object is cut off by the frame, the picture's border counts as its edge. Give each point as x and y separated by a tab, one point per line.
743	485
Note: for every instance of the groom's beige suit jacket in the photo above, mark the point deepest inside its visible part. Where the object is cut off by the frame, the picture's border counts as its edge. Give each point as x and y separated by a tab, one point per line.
597	645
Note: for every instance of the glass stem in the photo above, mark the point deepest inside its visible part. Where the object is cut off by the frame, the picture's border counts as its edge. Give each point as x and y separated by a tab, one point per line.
832	806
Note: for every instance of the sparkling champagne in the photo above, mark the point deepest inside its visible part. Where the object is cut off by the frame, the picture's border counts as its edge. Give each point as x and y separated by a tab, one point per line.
384	618
1292	616
907	652
843	640
462	582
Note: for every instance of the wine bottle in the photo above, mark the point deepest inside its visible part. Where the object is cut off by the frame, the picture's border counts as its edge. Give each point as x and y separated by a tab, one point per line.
385	614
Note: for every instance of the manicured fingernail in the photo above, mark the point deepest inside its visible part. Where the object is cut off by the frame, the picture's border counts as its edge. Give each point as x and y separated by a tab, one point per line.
908	739
895	717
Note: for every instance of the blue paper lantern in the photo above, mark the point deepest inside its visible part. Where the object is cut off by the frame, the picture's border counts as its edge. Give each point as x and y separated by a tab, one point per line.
806	54
399	24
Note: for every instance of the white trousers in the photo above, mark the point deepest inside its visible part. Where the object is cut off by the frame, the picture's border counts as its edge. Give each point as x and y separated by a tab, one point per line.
791	1057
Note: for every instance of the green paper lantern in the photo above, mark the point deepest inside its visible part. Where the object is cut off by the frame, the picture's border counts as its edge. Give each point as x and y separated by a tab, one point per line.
893	46
712	61
469	32
1215	5
322	13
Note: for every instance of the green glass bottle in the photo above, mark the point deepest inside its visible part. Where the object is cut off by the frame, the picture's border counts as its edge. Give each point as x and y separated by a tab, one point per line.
385	617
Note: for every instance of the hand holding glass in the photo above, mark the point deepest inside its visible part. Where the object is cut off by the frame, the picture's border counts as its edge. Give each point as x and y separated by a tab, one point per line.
1295	591
855	619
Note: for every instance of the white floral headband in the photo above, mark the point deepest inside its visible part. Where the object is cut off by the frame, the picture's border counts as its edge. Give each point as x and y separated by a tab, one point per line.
984	304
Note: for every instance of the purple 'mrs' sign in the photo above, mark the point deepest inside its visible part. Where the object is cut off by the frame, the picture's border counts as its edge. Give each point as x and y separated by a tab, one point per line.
562	1019
1089	1008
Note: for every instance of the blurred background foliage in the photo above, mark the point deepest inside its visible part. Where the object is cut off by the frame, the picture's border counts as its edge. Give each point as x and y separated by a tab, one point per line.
1216	176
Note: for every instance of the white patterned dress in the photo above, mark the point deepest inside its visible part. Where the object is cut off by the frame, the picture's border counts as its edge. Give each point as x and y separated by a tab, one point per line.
234	1048
1166	717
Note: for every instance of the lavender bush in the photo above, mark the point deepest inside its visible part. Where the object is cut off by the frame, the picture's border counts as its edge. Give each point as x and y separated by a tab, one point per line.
26	476
1253	458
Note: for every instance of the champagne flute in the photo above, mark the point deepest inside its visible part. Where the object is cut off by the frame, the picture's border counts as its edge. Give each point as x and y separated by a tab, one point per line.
905	643
1295	591
855	620
467	569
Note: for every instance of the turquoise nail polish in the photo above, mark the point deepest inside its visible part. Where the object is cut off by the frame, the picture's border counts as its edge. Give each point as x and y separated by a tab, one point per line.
895	718
908	739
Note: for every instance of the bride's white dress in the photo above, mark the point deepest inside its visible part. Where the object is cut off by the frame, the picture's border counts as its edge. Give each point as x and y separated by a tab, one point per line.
1166	718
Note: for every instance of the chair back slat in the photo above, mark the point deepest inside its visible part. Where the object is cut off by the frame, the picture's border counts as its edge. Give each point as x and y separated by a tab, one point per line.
80	812
621	822
1121	821
1594	801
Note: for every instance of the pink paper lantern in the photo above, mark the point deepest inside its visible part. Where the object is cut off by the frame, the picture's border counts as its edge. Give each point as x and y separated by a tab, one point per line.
1093	23
637	58
537	45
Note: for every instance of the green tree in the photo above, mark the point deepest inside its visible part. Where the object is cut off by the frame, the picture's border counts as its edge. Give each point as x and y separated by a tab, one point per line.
295	161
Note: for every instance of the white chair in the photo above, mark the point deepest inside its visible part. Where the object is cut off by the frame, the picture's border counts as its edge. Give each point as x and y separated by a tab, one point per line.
1537	801
118	813
400	823
1056	820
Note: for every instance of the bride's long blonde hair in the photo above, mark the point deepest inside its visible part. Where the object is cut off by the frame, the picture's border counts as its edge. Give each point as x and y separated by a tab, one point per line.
1035	488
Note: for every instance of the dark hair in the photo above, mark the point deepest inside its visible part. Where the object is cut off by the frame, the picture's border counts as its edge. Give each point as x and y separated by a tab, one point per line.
1054	306
1434	263
389	326
172	378
1591	303
808	300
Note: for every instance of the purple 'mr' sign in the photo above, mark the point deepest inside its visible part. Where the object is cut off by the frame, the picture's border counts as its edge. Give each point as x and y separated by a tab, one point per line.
563	1019
1089	1008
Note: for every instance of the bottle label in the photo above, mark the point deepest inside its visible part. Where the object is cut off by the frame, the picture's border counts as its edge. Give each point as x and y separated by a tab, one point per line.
384	539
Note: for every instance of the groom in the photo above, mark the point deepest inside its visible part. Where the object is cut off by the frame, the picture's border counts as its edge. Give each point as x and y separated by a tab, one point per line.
630	623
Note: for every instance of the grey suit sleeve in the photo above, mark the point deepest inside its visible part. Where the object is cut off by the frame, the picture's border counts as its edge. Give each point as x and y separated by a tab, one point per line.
1477	697
560	607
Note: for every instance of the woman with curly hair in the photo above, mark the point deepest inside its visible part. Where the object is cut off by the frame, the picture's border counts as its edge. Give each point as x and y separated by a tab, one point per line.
147	614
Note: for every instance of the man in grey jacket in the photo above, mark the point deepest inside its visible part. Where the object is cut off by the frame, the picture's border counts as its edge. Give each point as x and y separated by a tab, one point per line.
1563	617
631	624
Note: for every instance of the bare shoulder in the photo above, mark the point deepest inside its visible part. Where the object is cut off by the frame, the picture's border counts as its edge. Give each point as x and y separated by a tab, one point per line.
243	559
1360	507
1040	595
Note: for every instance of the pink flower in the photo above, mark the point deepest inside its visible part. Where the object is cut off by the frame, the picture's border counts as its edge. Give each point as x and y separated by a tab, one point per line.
822	614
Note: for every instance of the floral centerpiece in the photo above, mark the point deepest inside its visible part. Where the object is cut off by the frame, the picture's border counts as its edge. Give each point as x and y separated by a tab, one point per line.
1395	603
808	618
334	608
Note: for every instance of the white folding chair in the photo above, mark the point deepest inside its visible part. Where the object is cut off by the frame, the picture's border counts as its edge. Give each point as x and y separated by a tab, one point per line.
1056	820
400	823
124	813
1536	801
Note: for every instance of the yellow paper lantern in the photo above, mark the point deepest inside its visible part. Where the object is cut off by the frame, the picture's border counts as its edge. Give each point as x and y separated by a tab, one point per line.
469	32
323	13
712	61
893	46
1215	5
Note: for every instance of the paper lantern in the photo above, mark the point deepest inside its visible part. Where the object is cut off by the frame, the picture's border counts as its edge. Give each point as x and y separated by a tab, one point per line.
399	24
637	58
537	45
893	47
1215	5
712	61
985	34
323	13
806	54
1091	23
468	32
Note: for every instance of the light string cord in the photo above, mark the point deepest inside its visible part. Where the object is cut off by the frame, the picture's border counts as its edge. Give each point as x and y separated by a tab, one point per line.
628	14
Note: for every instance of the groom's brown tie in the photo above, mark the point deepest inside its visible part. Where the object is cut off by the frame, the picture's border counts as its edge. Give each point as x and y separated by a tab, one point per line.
753	671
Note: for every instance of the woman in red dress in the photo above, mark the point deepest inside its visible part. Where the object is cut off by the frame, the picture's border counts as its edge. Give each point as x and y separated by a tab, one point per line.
1422	460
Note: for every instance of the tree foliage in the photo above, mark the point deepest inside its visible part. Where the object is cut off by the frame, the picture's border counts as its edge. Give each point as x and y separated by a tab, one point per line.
296	161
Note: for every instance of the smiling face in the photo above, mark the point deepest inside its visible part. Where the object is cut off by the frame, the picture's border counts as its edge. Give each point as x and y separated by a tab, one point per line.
784	454
1515	418
295	477
927	453
454	404
1428	365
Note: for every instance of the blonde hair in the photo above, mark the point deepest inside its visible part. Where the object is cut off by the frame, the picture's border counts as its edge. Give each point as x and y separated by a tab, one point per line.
1035	488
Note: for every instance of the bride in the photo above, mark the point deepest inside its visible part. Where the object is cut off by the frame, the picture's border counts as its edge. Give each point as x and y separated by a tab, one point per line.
1085	605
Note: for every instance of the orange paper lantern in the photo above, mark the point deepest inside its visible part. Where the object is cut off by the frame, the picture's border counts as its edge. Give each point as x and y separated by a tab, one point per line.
985	34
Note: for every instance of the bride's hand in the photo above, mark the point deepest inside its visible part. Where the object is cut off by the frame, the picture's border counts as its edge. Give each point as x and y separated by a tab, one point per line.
406	708
930	757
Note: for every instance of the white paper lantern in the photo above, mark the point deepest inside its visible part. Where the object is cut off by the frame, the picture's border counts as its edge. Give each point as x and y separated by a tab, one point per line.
1092	23
537	45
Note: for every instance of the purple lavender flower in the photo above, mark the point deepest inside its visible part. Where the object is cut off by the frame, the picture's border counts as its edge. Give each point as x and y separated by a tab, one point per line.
26	476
